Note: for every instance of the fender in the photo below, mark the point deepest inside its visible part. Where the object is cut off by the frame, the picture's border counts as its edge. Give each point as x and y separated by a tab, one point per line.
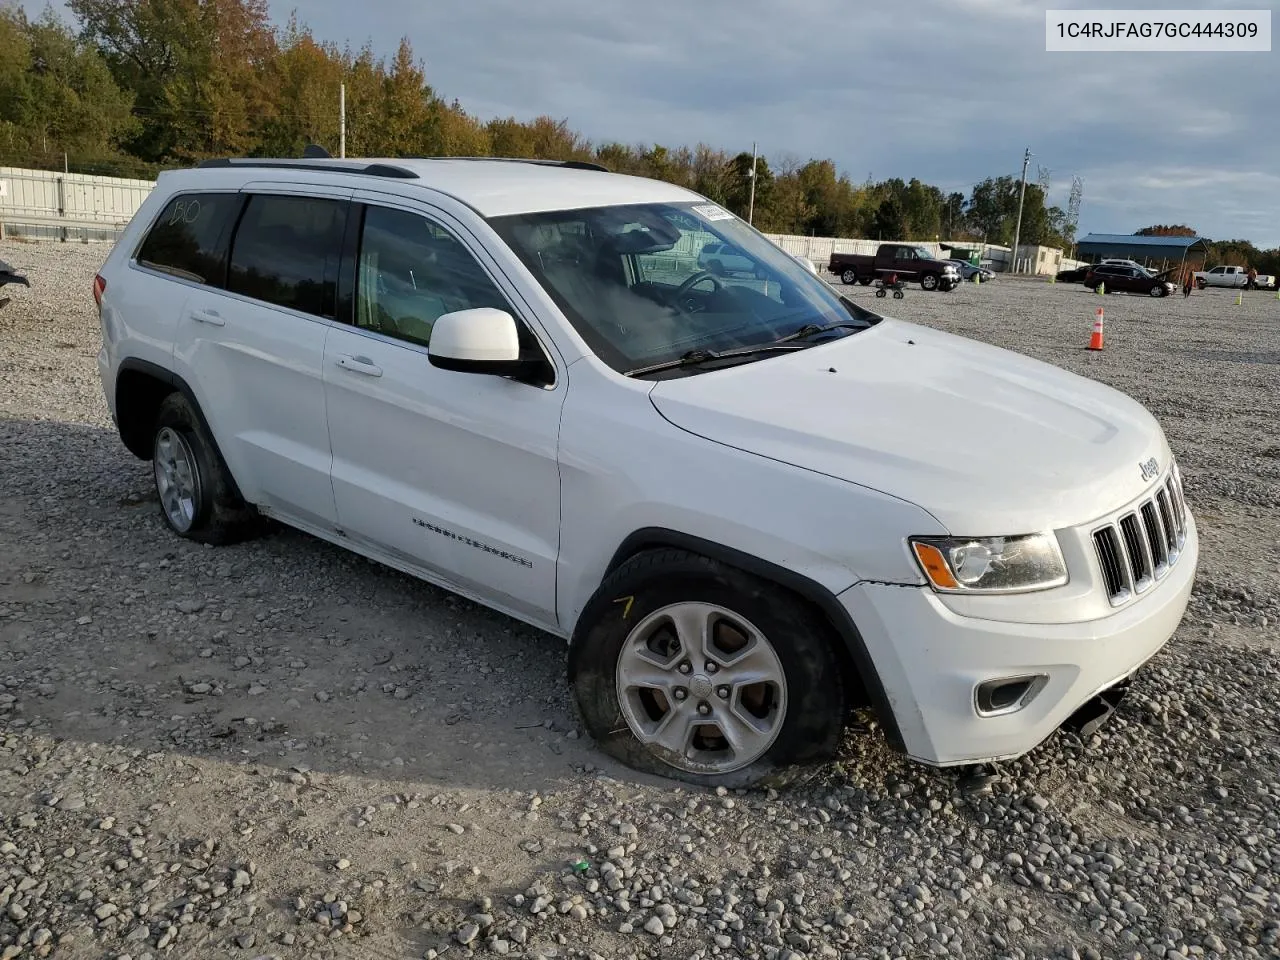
815	593
157	372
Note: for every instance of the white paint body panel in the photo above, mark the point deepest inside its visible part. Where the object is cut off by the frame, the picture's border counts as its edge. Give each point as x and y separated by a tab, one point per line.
931	659
821	462
988	441
423	457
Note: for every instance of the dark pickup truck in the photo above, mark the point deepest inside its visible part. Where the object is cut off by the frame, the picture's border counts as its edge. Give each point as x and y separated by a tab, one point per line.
911	263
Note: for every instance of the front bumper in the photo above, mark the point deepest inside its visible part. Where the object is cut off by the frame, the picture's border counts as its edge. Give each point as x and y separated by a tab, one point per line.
931	662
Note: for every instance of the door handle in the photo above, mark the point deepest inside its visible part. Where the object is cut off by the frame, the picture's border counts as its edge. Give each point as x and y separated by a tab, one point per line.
208	316
359	365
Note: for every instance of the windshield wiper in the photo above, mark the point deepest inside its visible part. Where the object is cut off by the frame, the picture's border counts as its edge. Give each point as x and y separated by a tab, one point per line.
695	357
813	329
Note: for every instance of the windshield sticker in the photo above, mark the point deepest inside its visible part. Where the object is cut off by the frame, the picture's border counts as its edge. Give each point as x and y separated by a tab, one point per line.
711	212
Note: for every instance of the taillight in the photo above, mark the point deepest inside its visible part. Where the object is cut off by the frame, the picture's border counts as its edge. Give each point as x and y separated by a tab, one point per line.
99	288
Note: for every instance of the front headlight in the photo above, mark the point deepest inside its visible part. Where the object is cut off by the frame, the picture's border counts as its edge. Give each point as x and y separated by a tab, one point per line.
991	564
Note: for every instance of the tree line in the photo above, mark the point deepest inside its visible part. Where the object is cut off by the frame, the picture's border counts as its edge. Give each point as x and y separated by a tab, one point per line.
138	86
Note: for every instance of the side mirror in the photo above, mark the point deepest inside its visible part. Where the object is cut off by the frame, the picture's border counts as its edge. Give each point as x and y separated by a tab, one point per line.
806	263
482	340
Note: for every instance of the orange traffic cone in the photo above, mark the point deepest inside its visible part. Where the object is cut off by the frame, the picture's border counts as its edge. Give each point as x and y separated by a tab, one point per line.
1095	341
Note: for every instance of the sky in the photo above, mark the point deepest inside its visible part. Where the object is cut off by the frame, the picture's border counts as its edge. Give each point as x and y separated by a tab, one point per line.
949	91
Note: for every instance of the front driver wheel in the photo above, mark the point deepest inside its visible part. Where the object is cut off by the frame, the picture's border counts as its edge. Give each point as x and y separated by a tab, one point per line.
687	668
929	282
1158	291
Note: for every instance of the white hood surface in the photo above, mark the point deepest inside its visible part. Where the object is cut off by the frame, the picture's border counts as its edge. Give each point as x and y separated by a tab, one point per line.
990	442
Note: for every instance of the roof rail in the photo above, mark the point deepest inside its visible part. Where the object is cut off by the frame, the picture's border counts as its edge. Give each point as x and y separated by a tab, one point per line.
370	169
571	164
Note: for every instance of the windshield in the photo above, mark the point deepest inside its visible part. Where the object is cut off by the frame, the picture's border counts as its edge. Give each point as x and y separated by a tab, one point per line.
646	284
923	254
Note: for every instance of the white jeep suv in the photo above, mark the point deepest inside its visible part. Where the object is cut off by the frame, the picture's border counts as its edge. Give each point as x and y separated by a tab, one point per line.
749	505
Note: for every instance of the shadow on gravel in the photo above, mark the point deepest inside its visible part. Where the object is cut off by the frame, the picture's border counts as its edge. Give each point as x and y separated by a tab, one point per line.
285	651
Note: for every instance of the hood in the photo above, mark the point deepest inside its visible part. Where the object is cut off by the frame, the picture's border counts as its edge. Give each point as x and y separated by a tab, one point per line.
990	442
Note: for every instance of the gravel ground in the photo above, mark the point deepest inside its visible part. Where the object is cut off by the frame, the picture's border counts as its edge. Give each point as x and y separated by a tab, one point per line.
281	750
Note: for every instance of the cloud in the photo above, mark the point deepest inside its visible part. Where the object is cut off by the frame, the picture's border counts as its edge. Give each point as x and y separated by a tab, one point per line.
950	91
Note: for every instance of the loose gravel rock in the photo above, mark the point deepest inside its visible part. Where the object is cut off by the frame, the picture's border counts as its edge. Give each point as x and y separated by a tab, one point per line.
281	750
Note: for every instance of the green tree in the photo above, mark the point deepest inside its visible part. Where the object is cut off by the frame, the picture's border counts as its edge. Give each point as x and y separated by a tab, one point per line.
738	187
56	93
890	222
197	70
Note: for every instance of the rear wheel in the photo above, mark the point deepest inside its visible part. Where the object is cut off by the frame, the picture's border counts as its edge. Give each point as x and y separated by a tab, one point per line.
687	668
849	276
198	498
865	281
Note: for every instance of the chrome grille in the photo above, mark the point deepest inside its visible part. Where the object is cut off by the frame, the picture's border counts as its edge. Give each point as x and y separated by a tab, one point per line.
1140	547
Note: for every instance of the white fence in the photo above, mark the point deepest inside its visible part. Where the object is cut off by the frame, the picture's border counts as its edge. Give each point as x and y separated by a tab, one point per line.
46	205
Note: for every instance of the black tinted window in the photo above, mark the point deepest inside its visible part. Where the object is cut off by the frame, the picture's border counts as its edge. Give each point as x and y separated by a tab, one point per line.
286	252
187	239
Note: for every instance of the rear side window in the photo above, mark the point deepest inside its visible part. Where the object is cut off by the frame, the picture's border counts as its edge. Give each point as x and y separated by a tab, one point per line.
286	252
188	240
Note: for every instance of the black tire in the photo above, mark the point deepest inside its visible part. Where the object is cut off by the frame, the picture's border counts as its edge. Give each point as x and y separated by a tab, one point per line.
929	281
1200	284
898	294
817	705
1158	291
865	281
220	514
849	276
880	292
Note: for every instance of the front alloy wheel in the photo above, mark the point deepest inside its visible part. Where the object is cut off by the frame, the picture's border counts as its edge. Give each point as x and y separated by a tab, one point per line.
929	282
687	668
702	688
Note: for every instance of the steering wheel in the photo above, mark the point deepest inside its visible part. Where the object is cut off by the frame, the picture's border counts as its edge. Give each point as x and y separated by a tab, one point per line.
683	290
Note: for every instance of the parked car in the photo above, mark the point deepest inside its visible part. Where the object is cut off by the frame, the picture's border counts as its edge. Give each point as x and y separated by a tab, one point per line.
1116	278
748	511
807	264
1074	275
908	261
969	272
1235	277
1122	263
722	259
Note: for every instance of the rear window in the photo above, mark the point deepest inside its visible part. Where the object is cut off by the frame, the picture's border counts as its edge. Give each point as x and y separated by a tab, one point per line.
188	239
286	252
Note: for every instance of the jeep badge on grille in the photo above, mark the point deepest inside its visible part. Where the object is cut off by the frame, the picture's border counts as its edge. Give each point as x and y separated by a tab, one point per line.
1149	468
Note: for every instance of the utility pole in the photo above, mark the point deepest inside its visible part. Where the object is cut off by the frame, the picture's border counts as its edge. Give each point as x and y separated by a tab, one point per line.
342	120
1017	230
751	204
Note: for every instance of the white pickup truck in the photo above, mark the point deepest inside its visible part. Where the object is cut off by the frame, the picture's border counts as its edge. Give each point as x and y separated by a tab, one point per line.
1230	277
